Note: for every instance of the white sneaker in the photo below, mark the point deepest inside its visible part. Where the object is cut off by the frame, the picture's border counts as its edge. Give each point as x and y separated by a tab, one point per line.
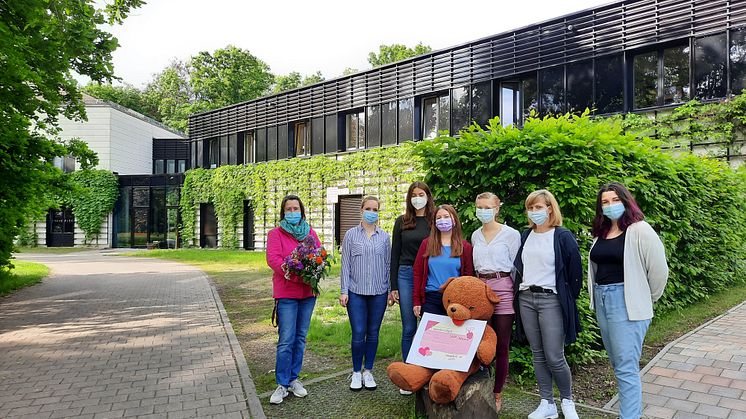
297	388
368	380
405	392
280	393
568	409
545	410
357	381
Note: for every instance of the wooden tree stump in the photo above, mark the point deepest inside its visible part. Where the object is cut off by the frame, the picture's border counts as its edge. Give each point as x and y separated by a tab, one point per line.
474	400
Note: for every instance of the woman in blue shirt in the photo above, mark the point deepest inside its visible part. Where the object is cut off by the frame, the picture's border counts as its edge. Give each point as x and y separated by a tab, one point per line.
366	256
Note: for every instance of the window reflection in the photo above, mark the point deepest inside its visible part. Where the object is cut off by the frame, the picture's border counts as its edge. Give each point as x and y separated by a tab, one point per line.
435	115
676	75
481	103
580	86
388	124
552	90
406	120
459	109
709	67
609	84
737	53
645	79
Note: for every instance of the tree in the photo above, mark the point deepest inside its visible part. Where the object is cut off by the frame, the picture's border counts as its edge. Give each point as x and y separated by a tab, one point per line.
41	44
294	80
126	95
396	52
171	95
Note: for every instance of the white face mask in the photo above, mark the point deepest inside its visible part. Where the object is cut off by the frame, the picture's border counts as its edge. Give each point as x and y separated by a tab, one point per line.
485	215
419	202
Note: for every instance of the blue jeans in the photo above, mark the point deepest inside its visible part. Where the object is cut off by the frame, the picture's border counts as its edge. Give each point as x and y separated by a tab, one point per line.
293	321
366	314
623	342
406	307
434	303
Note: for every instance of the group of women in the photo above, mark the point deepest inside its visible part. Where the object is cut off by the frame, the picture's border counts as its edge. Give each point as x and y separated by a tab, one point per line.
536	273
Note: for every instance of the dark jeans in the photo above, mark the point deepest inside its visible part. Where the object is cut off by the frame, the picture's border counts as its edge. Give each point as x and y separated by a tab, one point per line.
365	313
293	321
406	307
434	303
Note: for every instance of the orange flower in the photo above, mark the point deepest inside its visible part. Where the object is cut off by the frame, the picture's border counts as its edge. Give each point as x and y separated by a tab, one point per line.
309	257
323	253
319	260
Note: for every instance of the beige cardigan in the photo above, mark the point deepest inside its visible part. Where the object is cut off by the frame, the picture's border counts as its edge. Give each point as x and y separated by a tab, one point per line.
645	271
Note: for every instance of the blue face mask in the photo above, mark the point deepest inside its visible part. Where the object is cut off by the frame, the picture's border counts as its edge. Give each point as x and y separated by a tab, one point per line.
538	217
292	217
370	217
485	215
614	211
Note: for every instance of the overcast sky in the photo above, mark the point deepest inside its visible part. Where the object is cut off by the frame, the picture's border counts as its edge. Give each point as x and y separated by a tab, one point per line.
307	36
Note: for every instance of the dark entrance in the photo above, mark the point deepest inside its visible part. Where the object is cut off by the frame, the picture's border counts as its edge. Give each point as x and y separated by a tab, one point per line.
208	226
248	226
347	215
60	228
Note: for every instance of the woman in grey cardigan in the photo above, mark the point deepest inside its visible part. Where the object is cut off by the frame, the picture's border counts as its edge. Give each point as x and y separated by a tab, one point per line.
627	272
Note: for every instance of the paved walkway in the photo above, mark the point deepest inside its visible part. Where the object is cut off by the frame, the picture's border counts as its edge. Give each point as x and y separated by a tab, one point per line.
120	337
700	375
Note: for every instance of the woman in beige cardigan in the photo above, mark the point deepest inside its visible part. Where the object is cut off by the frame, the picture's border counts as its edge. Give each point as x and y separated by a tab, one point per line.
627	273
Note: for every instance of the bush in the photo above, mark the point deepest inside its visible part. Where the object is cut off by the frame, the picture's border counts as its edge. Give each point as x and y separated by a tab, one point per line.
698	205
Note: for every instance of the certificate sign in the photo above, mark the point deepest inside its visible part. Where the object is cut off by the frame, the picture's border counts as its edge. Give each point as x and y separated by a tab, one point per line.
440	344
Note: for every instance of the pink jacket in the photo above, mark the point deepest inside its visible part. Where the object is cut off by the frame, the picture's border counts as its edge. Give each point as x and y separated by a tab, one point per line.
280	244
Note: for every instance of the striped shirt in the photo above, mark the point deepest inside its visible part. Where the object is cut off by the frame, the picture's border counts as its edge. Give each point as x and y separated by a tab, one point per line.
365	262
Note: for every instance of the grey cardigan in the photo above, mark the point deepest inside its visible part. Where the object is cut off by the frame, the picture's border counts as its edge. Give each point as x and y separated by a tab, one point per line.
645	270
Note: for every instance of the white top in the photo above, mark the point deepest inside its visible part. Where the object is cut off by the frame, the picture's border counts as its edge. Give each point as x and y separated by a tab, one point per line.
497	255
645	270
538	261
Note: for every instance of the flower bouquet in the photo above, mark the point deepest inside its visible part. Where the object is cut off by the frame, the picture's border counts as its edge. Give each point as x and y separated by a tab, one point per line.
309	262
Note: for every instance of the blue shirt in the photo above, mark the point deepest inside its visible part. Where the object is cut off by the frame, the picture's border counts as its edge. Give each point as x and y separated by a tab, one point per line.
365	262
440	268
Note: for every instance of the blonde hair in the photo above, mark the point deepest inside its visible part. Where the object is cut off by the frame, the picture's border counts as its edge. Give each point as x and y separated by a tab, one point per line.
488	195
555	218
369	198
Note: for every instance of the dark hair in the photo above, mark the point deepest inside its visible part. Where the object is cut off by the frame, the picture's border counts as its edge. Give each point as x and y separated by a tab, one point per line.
632	212
457	245
292	198
409	219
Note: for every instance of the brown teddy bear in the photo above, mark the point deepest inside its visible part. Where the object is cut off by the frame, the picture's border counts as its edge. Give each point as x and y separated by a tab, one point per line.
465	298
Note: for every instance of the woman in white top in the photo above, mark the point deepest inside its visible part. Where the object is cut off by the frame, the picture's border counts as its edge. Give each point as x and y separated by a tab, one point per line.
495	247
548	281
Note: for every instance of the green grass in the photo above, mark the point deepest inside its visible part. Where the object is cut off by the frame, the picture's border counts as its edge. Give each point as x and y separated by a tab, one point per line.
51	250
22	275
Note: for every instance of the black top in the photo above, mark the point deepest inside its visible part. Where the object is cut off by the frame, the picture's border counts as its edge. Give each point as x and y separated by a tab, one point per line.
405	244
608	255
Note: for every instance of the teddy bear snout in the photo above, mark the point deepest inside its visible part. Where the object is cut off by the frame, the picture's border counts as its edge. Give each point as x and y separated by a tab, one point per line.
458	312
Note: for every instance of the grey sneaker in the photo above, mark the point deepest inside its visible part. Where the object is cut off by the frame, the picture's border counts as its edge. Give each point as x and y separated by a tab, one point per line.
368	381
280	393
297	388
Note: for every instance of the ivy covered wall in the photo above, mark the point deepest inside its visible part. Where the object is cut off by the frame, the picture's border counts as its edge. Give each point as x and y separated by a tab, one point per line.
383	172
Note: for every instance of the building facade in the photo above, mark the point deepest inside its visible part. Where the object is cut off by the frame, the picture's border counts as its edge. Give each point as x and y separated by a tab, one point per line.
629	56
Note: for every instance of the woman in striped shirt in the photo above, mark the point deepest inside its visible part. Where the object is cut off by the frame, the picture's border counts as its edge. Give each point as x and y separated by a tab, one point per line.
366	257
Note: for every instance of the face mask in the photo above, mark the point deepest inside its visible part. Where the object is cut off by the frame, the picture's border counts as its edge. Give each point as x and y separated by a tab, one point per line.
614	211
444	224
370	217
485	215
292	217
538	217
419	202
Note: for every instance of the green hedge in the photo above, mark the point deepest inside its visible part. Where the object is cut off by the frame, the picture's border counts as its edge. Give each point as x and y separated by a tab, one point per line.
698	205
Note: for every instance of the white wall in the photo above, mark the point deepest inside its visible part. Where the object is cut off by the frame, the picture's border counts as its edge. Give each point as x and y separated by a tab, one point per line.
95	132
132	143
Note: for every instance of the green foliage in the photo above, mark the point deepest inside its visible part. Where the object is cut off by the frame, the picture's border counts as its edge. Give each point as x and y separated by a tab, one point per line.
126	95
698	205
87	158
266	183
92	198
294	80
27	235
41	44
396	52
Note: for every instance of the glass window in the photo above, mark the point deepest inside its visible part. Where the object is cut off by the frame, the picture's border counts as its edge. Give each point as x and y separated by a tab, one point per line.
317	136
248	147
406	120
282	142
261	145
676	75
388	123
301	139
271	143
158	168
214	151
172	196
529	96
737	55
200	160
233	149
609	84
223	150
580	86
351	131
510	104
122	218
158	215
645	79
435	115
330	123
182	166
709	67
552	90
140	197
171	166
140	226
373	126
459	109
481	103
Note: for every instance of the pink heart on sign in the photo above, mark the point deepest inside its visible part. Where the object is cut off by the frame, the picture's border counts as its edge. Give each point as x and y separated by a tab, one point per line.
424	350
469	335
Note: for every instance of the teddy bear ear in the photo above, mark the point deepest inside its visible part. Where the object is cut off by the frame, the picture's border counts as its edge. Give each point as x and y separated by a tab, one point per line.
444	286
494	299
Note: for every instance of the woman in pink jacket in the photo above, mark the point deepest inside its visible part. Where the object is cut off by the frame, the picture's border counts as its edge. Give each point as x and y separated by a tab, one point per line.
294	299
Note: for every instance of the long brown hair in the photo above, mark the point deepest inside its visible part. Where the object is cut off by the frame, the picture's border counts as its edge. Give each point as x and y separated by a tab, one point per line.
433	243
409	219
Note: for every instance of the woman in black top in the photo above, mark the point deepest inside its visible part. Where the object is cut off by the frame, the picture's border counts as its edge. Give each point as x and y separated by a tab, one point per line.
409	231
